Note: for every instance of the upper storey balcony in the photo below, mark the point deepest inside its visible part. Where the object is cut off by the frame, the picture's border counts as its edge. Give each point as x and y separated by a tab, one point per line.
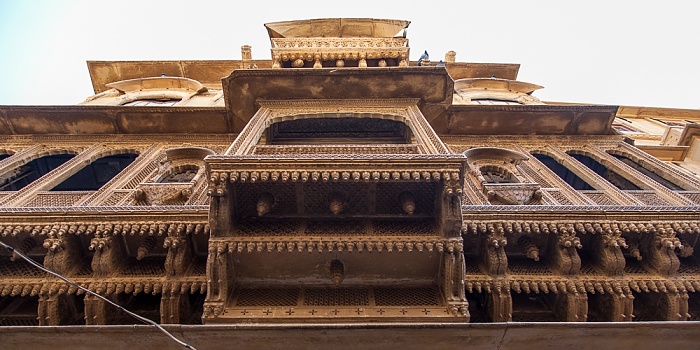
338	42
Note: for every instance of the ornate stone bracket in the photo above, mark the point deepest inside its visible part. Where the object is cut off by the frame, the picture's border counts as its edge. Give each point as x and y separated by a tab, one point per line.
110	254
606	250
562	255
513	193
492	250
64	255
658	246
180	250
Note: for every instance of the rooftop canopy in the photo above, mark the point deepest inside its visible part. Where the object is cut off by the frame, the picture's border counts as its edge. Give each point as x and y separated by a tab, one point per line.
337	28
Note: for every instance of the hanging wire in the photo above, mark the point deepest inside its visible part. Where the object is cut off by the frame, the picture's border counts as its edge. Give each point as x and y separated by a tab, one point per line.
138	317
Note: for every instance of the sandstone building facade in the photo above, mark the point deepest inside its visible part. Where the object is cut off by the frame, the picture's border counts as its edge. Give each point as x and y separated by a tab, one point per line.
339	182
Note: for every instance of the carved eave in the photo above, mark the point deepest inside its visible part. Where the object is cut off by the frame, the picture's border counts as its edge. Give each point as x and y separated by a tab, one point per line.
81	120
207	72
179	84
496	84
104	214
336	27
465	70
371	168
525	120
243	88
309	244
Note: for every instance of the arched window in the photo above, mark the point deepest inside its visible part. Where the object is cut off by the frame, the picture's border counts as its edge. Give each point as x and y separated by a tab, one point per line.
97	173
642	169
614	178
18	178
563	172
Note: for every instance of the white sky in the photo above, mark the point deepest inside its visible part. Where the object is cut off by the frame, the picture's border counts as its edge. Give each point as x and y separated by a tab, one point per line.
640	53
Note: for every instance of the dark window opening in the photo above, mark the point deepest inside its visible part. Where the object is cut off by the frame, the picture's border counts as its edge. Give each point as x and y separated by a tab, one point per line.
650	306
19	311
532	307
146	305
694	306
3	156
180	175
96	174
656	177
614	178
166	102
338	131
18	178
564	173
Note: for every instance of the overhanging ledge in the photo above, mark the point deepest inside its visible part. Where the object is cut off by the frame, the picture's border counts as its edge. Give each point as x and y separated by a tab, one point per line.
431	85
505	336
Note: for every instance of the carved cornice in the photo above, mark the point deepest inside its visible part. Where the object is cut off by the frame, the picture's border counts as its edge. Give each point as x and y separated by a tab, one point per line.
581	284
377	244
126	213
603	210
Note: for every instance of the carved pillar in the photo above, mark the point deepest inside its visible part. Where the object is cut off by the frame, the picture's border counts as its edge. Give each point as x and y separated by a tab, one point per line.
59	309
174	308
96	311
677	306
613	307
453	271
561	252
220	279
571	307
499	305
221	206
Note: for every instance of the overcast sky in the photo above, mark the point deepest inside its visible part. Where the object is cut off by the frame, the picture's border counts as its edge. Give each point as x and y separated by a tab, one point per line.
640	53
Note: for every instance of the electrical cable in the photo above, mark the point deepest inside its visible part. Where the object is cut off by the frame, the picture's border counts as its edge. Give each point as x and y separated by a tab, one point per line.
65	279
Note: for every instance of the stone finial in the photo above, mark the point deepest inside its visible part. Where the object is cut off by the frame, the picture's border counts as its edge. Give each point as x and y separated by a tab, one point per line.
246	53
450	56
